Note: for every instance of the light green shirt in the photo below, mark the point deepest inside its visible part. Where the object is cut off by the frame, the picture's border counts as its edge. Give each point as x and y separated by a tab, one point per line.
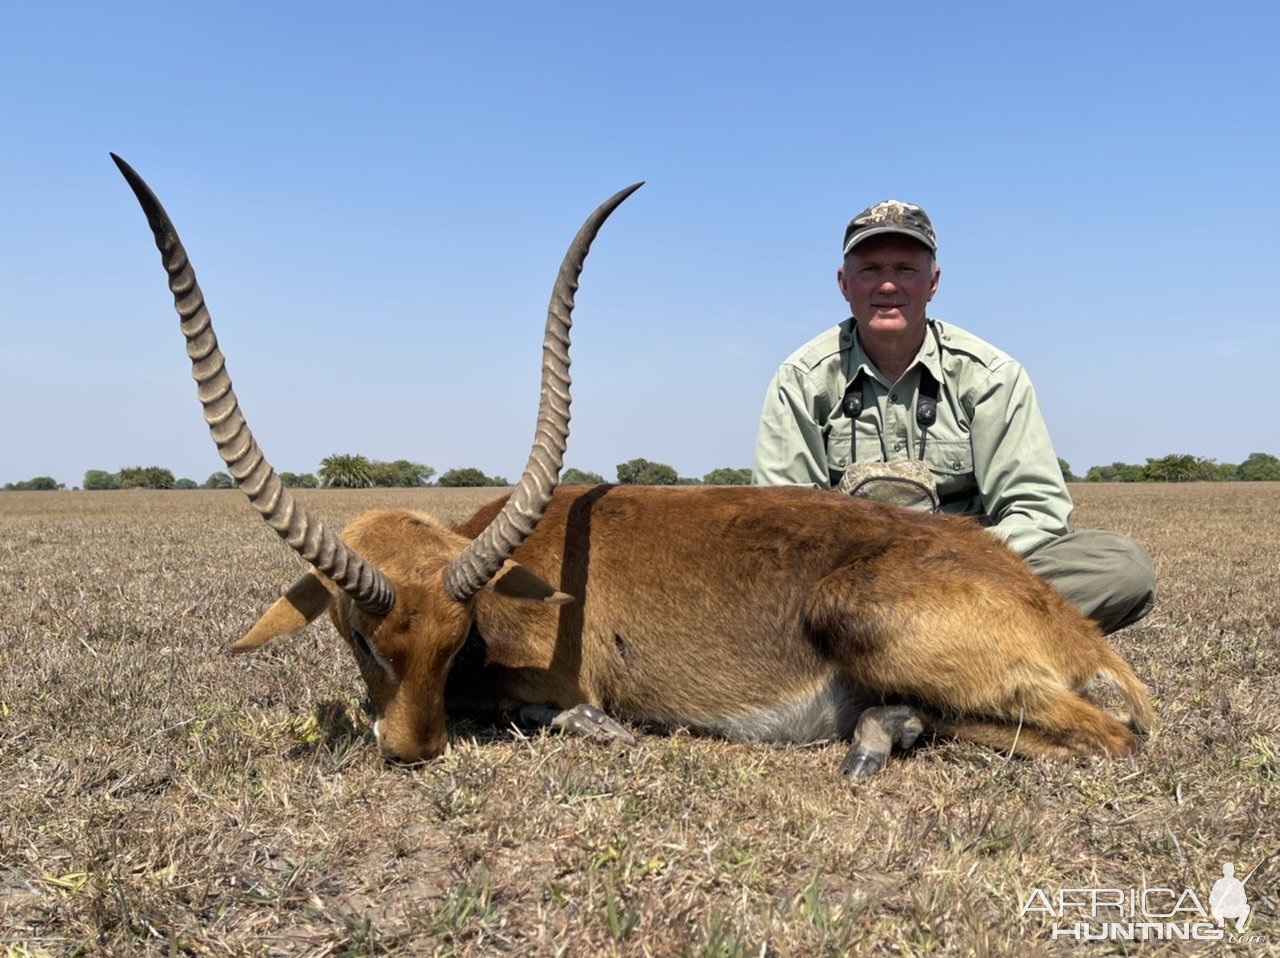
989	449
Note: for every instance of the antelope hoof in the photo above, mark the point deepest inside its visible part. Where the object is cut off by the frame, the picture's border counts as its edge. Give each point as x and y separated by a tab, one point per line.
879	731
859	762
580	720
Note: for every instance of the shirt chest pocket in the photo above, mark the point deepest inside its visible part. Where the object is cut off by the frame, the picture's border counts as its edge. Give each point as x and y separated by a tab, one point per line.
839	446
951	462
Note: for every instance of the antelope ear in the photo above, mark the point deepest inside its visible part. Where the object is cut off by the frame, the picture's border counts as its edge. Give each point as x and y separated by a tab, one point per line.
305	600
514	581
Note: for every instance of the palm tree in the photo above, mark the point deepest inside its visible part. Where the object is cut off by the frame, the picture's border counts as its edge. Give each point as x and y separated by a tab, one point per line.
345	471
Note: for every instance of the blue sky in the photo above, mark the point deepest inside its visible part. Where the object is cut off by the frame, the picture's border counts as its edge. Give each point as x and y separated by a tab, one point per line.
376	201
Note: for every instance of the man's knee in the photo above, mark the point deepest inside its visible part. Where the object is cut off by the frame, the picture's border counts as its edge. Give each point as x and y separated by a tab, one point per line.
1107	576
1127	563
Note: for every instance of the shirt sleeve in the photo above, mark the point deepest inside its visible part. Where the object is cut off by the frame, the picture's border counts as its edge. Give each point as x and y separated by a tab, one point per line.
790	449
1014	464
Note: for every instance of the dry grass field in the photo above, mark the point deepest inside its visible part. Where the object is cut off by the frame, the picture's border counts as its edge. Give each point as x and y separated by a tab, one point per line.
162	796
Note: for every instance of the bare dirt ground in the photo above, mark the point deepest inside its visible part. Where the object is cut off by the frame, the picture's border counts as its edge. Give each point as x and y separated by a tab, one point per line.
162	796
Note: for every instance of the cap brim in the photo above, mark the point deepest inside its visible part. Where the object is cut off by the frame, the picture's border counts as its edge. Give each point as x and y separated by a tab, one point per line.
865	235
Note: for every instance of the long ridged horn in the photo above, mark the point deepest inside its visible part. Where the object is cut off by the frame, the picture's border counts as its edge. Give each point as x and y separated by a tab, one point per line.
479	562
368	587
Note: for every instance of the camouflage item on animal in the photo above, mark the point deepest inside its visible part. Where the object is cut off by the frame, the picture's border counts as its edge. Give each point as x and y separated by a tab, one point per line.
907	483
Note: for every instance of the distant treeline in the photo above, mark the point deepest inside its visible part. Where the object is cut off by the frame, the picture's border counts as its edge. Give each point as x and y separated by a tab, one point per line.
353	471
1258	467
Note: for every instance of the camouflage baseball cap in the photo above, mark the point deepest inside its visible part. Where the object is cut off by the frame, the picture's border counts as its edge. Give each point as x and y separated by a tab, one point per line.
890	216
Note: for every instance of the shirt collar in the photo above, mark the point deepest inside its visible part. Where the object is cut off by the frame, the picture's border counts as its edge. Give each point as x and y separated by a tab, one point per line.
857	360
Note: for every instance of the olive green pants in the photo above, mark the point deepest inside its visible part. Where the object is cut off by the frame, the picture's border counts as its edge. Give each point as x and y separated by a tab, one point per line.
1107	576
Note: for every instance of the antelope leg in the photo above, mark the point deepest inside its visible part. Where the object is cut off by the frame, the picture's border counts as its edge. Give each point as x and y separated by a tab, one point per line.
579	720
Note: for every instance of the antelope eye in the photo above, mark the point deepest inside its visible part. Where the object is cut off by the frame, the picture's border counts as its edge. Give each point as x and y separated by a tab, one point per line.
361	643
368	653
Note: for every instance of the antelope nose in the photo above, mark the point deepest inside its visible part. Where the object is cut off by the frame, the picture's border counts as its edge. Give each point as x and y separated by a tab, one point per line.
389	752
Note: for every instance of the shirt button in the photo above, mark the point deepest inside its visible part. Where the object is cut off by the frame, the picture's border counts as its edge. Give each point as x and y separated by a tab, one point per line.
893	396
955	463
897	447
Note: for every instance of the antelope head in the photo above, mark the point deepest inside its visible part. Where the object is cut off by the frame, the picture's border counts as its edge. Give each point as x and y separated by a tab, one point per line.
400	587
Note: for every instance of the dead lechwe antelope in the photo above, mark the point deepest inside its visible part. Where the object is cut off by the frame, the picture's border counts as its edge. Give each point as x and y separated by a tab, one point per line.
782	614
